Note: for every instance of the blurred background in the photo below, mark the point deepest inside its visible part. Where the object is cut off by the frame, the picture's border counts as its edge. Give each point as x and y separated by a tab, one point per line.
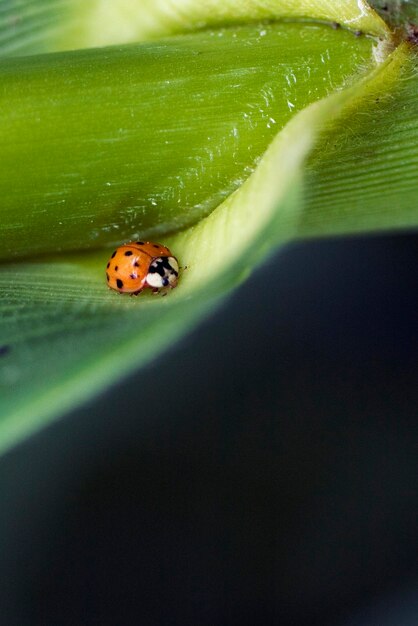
264	471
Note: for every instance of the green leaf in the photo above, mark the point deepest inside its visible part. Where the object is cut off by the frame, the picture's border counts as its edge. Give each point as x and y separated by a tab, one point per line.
64	336
105	145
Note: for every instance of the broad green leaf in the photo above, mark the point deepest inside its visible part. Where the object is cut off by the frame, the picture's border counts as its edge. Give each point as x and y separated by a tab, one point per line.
211	131
105	145
64	336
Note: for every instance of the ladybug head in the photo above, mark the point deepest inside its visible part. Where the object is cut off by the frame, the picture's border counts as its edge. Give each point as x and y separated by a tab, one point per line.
163	272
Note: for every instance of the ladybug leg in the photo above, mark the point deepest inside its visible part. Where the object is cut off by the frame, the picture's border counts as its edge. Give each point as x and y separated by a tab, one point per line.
136	293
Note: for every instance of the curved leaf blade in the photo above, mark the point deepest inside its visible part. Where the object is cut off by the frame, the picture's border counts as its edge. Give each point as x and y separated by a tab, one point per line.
101	146
93	336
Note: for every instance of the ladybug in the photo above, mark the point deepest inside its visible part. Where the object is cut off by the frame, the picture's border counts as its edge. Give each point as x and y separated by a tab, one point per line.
141	264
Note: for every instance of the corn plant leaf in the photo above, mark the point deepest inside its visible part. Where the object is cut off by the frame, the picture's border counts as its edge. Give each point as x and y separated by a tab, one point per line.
103	145
63	335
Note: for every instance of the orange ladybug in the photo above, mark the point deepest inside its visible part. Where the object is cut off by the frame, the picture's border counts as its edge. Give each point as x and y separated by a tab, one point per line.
141	264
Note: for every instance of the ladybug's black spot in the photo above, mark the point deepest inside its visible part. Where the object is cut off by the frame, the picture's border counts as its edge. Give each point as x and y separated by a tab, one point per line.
4	350
116	268
133	276
140	243
128	253
107	276
107	265
113	254
156	245
136	264
119	283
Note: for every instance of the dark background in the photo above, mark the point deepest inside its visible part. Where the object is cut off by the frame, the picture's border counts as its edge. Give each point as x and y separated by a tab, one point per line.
262	472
